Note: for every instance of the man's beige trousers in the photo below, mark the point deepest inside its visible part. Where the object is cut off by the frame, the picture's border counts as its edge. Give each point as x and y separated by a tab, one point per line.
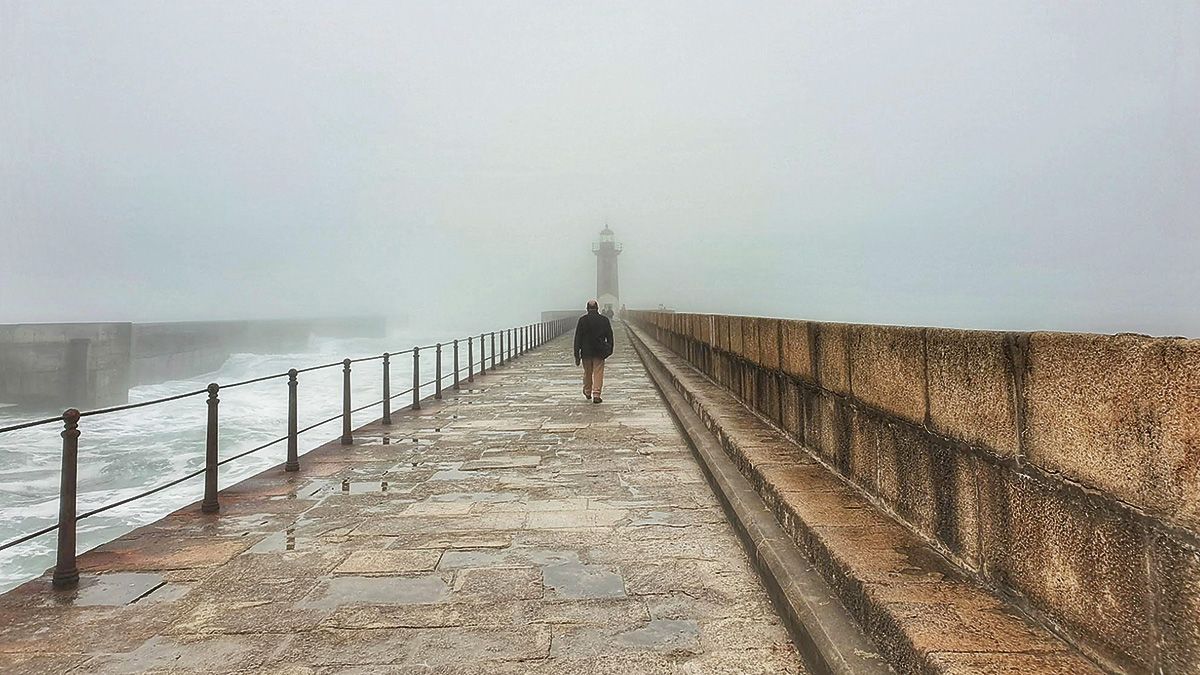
593	375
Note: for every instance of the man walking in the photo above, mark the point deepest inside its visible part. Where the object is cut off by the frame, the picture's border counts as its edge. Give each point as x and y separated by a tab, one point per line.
593	344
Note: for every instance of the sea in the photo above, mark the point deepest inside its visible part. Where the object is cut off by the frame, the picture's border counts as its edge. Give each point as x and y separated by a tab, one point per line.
125	453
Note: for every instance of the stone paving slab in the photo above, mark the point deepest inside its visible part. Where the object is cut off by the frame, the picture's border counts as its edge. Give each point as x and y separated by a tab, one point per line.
512	528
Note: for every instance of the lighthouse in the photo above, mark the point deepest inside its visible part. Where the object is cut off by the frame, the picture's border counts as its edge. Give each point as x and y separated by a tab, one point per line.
607	250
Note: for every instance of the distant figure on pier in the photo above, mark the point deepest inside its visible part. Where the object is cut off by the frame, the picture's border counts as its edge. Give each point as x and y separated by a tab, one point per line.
593	344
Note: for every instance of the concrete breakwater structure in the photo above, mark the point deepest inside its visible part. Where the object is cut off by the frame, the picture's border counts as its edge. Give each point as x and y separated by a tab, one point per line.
94	364
944	481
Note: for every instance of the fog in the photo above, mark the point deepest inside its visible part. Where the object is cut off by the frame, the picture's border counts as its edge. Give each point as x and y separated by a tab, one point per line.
1004	165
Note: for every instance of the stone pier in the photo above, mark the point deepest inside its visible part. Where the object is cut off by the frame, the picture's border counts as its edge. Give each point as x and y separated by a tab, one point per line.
513	527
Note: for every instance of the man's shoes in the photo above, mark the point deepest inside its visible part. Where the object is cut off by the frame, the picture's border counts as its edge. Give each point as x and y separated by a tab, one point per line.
597	400
587	395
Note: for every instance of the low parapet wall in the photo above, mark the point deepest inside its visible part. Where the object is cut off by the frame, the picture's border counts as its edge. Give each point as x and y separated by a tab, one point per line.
1062	470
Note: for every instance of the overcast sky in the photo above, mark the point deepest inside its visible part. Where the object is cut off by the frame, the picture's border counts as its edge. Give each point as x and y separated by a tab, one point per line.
995	165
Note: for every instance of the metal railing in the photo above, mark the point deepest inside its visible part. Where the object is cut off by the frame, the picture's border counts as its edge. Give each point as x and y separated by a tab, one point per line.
513	343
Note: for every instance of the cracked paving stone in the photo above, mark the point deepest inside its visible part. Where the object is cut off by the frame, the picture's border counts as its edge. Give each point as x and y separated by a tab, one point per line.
390	562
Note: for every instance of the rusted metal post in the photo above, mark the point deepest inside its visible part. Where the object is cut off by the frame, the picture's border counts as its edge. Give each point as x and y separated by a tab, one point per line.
66	573
437	389
347	434
470	359
457	380
210	504
387	388
416	388
493	350
293	454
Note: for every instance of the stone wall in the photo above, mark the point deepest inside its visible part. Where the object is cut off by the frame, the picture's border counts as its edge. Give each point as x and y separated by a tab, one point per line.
1061	470
52	364
94	364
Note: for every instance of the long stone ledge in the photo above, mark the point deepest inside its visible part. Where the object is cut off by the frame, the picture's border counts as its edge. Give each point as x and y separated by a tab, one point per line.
924	614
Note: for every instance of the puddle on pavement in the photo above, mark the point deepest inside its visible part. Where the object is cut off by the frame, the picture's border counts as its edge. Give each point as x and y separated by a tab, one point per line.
663	634
115	589
274	543
574	580
379	591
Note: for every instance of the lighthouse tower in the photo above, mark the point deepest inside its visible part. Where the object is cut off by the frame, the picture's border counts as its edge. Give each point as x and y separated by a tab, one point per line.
607	250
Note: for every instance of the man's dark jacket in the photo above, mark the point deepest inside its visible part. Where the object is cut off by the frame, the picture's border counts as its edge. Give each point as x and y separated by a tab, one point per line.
593	336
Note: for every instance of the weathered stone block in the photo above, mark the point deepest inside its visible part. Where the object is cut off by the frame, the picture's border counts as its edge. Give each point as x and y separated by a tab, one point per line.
1177	585
833	432
768	343
750	339
793	409
932	486
833	355
864	449
972	390
735	334
707	332
1119	413
774	398
887	369
905	469
796	350
1073	558
811	400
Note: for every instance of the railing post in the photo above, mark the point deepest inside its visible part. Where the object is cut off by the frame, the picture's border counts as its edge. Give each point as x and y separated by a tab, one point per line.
437	365
293	455
457	384
387	388
347	434
493	350
416	388
210	504
482	356
502	348
470	359
66	573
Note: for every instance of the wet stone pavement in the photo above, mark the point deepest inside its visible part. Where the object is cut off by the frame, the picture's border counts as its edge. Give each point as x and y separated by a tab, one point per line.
512	528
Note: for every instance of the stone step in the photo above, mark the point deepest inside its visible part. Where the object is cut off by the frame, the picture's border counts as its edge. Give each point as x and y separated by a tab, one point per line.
924	613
